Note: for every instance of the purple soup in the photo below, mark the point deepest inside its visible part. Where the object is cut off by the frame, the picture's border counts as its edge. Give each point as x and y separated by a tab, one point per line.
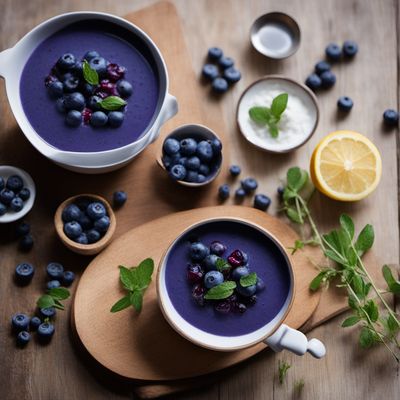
113	43
265	258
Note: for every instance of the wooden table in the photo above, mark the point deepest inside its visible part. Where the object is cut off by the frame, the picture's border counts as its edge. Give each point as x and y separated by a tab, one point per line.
60	372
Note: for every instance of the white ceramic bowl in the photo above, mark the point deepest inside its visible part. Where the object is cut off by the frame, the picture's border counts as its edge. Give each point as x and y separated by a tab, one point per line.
5	172
12	62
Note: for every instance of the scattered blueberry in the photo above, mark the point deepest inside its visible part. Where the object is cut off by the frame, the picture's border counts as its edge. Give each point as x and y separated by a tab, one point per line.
116	118
96	210
280	190
260	284
45	332
17	204
217	248
210	262
224	191
391	117
171	146
232	75
321	67
88	89
14	183
56	89
74	101
73	118
213	278
24	194
235	170
90	55
66	61
178	172
22	229
24	273
48	312
313	81
94	103
71	213
52	284
345	103
198	251
214	53
219	85
328	79
60	105
210	71
350	48
70	83
240	193
93	236
204	151
34	323
249	185
102	224
262	202
225	62
98	119
216	146
55	270
23	338
124	88
20	322
99	64
68	278
188	146
119	198
26	242
238	272
193	163
333	52
246	291
72	229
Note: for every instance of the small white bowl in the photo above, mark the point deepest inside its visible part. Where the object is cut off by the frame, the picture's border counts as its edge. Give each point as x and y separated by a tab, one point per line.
11	216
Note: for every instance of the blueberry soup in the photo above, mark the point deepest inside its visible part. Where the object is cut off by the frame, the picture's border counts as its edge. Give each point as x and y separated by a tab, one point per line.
227	278
92	86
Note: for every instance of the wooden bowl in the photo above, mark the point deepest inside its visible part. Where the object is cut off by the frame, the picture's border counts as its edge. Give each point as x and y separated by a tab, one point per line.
85	249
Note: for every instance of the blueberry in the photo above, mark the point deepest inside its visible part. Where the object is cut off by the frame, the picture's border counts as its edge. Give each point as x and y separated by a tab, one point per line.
93	236
219	85
119	198
20	322
34	323
247	291
194	273
87	89
24	194
313	81
188	146
116	118
262	202
279	191
198	251
210	71
232	75
333	51
245	258
16	204
72	229
83	202
193	163
94	103
213	278
84	221
82	238
214	53
56	89
98	119
96	210
321	67
26	242
71	213
2	183
210	262
238	272
240	194
239	308
3	209
24	273
23	338
77	69
216	146
350	48
66	61
217	248
89	55
70	83
45	332
48	312
223	191
235	170
260	285
74	101
102	224
55	270
345	103
191	176
225	62
249	185
328	79
390	117
178	172
14	183
204	170
201	178
204	151
124	88
52	284
6	196
99	64
60	105
73	118
68	278
181	161
22	229
171	146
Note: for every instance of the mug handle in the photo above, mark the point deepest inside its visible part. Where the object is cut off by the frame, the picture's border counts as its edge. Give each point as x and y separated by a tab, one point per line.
169	109
5	61
286	338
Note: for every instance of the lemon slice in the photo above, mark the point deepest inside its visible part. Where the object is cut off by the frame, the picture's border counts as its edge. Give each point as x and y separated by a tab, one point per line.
346	166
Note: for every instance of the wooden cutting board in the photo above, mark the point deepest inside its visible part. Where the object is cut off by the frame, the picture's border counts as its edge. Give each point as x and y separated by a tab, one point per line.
144	346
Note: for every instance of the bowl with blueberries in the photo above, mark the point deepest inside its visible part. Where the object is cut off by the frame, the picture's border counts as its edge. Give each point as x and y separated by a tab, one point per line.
17	193
192	155
85	223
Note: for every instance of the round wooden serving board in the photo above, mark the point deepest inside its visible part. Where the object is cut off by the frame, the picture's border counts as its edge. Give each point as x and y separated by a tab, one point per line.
143	346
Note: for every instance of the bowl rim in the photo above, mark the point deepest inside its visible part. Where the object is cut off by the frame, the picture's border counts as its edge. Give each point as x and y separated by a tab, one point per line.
160	292
307	90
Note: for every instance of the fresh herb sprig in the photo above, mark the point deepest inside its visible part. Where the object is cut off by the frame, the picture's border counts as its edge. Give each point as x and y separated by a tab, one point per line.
135	281
112	103
270	116
89	74
344	253
283	368
221	291
53	298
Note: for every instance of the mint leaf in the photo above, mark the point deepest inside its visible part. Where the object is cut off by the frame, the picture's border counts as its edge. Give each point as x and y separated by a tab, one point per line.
112	103
136	299
59	305
144	272
296	178
121	304
45	301
293	215
279	104
59	293
347	225
221	291
365	239
222	265
273	129
393	284
372	310
127	278
366	338
89	74
317	281
350	321
248	280
260	115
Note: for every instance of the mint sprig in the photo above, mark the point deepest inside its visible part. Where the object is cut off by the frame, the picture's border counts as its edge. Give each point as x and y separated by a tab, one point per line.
112	103
248	280
220	292
222	265
270	116
53	298
89	74
135	281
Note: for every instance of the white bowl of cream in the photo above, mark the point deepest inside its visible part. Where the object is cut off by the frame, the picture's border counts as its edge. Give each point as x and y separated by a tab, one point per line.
297	123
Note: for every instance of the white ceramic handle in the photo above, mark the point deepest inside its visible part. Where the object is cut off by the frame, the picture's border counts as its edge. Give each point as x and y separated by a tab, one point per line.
286	338
5	62
169	109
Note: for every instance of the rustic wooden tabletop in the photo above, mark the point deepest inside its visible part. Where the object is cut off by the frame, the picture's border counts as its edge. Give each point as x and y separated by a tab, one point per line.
60	371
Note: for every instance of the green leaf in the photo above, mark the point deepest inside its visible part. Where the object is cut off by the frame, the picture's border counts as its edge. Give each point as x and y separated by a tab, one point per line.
144	272
350	321
248	280
347	225
372	310
221	291
365	239
353	303
279	104
128	278
288	194
45	301
357	284
59	293
283	368
58	305
293	215
316	282
260	115
273	129
333	241
296	178
366	338
90	75
222	265
393	284
298	245
121	304
351	257
333	256
136	299
392	325
112	103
